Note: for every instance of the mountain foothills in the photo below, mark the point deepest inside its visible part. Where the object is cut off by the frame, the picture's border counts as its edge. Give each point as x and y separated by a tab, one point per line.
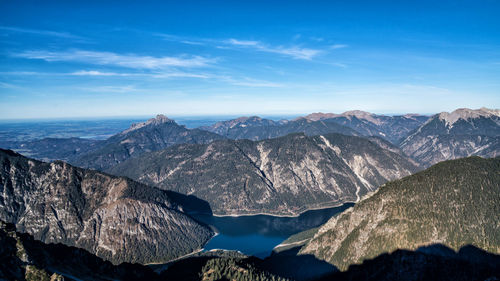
461	133
454	203
50	149
281	176
115	218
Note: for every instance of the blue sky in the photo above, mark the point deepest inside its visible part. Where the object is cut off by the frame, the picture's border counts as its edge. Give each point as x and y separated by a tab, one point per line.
124	58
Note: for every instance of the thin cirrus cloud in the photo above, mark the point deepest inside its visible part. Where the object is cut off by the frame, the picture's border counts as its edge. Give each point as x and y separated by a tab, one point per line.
112	89
250	82
65	35
114	59
294	51
338	46
170	74
246	81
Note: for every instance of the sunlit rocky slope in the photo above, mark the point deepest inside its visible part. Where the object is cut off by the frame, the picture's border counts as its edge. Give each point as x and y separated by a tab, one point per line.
454	203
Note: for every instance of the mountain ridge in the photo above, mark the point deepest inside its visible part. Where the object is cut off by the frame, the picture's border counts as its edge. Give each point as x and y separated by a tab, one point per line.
56	202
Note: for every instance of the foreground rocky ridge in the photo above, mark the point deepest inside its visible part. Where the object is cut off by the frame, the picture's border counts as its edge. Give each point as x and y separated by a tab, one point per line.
24	258
282	176
454	203
115	218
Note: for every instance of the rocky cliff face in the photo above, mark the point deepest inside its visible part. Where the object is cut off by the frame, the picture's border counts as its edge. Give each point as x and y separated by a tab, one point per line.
454	203
282	176
152	135
115	218
462	133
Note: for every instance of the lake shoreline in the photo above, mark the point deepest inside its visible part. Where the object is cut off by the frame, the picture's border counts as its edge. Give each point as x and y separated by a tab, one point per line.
285	216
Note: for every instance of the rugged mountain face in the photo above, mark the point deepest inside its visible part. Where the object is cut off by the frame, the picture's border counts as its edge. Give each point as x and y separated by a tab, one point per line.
50	149
152	135
454	203
282	176
24	258
115	218
391	128
256	128
462	133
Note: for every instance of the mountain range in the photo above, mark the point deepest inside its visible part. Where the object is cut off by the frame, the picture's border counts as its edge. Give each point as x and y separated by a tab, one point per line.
390	128
427	140
131	196
256	128
461	133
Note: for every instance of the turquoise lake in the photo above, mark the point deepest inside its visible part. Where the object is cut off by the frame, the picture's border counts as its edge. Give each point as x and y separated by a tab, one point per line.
258	235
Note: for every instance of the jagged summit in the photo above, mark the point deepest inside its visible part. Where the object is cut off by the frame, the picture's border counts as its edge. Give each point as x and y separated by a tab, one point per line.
159	119
466	113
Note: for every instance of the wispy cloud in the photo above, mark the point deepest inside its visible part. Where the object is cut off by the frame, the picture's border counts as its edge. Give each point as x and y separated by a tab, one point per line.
60	34
97	73
338	46
170	74
295	52
114	59
180	39
8	85
112	89
250	82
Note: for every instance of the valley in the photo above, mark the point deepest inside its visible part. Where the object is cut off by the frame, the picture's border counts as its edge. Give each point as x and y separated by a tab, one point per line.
249	140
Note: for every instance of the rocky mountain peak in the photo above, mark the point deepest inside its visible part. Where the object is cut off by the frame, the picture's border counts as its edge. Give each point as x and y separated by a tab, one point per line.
316	116
411	115
159	119
466	114
362	115
348	114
